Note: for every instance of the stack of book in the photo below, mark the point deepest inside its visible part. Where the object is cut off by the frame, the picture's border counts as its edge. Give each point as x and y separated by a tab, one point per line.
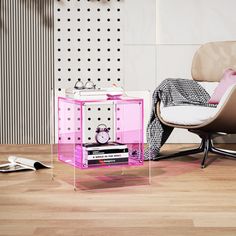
94	94
101	155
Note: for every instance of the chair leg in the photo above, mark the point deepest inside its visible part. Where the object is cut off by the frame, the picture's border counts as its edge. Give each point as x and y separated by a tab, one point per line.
223	152
183	153
206	150
206	147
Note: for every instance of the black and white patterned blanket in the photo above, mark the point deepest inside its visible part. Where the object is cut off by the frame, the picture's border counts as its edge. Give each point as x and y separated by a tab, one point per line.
172	92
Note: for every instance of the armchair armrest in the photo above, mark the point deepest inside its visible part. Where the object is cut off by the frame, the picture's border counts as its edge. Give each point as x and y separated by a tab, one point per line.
225	118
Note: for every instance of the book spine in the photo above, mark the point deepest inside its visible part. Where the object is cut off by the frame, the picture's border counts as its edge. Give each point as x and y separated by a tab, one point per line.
105	148
107	156
109	161
108	151
89	97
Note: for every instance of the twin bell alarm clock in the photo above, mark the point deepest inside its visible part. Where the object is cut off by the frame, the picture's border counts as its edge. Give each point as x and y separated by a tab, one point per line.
102	134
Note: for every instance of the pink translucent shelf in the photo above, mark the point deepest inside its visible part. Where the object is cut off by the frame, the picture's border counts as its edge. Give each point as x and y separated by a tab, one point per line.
77	122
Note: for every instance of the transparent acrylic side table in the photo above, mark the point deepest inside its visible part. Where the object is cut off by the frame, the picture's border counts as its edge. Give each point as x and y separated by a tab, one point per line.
77	123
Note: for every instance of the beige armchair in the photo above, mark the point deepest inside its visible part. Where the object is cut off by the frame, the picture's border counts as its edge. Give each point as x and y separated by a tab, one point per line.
208	64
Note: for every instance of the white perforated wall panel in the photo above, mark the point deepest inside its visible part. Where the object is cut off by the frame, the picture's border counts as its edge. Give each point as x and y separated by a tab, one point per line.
94	115
88	42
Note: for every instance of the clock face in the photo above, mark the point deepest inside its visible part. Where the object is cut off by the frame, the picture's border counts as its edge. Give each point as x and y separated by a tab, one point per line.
102	137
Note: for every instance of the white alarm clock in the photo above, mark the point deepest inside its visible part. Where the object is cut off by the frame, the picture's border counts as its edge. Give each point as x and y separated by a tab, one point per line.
102	134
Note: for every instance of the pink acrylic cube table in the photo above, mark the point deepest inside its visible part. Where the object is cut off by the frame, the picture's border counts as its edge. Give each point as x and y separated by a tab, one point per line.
79	119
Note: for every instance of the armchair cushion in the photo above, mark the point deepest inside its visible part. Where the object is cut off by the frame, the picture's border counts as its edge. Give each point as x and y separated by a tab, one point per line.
190	115
187	115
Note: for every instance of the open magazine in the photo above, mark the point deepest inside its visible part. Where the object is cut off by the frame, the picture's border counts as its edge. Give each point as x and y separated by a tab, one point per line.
20	163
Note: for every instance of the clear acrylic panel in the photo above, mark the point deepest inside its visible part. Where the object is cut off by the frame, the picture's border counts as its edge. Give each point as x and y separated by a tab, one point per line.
85	163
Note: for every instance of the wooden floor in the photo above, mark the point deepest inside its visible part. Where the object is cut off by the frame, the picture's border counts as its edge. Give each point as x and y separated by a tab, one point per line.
182	199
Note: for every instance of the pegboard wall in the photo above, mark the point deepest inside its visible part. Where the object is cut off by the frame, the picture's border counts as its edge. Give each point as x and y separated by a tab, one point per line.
94	115
88	42
77	120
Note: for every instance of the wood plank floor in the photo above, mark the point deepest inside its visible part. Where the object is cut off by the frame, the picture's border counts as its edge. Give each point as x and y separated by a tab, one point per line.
182	199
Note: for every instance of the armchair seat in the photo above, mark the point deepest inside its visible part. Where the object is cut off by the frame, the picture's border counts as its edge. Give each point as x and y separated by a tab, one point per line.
187	115
191	115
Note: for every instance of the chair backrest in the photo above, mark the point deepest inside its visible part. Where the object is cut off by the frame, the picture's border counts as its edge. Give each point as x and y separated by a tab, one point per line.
211	59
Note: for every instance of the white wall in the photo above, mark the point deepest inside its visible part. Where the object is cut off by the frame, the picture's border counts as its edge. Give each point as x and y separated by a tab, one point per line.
140	44
195	22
